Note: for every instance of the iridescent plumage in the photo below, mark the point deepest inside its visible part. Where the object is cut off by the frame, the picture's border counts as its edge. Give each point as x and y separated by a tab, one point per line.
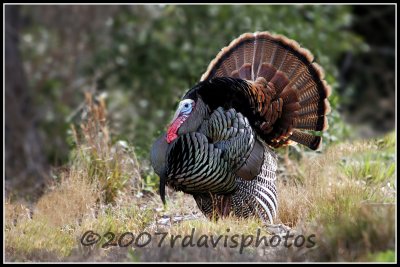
261	92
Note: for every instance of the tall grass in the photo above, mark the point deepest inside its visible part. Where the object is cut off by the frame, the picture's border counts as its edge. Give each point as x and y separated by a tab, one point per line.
108	166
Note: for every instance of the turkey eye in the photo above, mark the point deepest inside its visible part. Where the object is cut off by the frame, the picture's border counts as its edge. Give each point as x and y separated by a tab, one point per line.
186	105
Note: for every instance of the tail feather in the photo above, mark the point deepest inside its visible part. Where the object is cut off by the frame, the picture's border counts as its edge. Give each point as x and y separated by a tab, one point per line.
289	96
249	53
239	57
280	81
267	71
289	72
235	74
269	49
315	109
291	108
245	71
306	139
307	99
258	53
279	57
312	123
292	66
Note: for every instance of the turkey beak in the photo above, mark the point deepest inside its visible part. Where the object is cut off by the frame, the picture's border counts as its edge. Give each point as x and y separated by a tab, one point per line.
162	188
176	115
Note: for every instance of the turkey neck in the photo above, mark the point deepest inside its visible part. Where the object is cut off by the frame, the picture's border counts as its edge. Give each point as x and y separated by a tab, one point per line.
158	155
200	113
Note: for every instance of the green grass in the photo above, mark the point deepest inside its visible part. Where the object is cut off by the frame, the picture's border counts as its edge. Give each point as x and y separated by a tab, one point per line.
33	235
384	256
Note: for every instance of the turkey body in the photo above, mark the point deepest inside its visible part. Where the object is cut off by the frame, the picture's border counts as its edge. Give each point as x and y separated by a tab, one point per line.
261	92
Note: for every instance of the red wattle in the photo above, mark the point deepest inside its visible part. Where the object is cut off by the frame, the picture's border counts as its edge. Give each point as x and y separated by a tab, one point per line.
173	128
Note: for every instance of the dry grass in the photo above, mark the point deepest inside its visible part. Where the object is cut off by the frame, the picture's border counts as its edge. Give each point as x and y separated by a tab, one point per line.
339	196
67	203
80	198
350	209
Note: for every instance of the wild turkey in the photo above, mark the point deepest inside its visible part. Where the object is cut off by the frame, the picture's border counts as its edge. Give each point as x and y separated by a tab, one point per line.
262	91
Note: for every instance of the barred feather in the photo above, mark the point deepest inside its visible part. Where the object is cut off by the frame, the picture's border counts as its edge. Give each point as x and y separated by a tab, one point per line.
257	197
289	72
306	139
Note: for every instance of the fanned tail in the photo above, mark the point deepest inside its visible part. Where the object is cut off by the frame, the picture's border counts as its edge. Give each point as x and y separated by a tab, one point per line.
294	90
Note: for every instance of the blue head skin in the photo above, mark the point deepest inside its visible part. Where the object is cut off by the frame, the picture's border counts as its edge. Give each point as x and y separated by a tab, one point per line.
183	111
185	106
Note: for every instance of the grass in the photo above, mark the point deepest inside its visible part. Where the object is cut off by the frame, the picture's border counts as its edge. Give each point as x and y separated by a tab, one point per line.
343	199
350	207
